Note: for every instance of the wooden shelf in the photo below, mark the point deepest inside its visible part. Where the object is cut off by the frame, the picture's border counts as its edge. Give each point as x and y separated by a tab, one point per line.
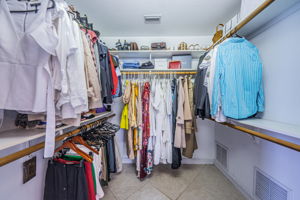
268	127
157	53
18	136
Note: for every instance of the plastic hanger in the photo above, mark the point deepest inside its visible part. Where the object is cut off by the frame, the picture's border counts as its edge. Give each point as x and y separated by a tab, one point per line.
80	140
69	144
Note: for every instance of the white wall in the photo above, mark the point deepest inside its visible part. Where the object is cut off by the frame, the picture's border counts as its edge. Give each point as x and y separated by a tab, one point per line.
279	48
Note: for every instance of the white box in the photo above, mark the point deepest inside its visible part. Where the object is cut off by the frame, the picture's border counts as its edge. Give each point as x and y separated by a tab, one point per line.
161	63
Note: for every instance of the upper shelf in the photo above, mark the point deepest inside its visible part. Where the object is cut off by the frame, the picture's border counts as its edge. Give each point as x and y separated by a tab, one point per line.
18	136
268	126
157	53
270	13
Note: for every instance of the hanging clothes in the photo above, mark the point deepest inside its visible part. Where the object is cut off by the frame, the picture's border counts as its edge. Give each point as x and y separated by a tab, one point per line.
191	126
179	141
242	87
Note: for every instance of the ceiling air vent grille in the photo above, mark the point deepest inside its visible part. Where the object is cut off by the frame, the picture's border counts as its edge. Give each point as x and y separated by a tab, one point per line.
152	19
267	189
222	155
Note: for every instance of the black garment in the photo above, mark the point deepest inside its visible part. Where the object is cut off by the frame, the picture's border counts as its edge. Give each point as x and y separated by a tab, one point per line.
111	155
176	152
147	65
106	74
65	182
201	99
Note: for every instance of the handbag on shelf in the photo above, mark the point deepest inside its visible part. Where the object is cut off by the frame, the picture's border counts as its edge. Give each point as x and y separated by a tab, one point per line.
182	46
174	65
219	33
134	46
158	46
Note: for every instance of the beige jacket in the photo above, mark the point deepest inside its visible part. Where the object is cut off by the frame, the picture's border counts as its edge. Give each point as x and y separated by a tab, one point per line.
93	83
179	140
191	127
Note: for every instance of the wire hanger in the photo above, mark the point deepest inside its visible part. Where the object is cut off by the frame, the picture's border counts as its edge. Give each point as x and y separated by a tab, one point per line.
36	8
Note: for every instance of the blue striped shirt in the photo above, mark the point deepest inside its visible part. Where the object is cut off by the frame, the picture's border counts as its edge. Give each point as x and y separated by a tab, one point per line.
238	79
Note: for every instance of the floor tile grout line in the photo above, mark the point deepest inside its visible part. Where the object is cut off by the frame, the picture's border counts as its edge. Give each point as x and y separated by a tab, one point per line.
113	193
188	185
136	191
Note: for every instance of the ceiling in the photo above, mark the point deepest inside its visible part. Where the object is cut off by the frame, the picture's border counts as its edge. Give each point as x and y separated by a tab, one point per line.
178	17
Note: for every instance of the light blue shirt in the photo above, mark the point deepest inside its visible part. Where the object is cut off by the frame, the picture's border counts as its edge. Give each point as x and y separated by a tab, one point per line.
238	79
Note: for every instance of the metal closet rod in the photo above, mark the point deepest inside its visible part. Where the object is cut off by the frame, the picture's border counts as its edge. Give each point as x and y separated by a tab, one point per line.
158	73
263	136
20	154
258	10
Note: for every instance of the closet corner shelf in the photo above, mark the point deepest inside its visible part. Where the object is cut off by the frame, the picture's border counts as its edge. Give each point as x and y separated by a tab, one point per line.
18	136
269	12
157	53
268	126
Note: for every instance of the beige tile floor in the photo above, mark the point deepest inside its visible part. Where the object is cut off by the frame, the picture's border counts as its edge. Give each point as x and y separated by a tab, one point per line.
190	182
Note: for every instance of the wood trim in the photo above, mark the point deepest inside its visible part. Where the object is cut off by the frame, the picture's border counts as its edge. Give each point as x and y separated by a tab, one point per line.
281	142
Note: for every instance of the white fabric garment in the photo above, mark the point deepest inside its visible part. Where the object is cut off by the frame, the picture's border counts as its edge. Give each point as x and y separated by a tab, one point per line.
159	107
72	85
209	82
22	69
166	142
97	165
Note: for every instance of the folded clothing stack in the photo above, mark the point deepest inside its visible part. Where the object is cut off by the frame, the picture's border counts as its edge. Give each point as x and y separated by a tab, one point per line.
131	65
147	65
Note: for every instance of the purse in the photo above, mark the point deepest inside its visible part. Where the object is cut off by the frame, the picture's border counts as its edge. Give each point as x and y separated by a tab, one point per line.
134	46
158	46
174	65
219	33
182	46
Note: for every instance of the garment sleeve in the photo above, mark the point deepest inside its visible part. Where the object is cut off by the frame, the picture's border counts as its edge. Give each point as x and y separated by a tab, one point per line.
216	86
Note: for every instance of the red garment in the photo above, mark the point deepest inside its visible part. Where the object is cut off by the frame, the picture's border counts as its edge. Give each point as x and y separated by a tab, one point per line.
146	130
90	181
114	76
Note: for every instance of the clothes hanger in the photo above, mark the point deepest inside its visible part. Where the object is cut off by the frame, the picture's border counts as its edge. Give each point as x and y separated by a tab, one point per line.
80	140
69	144
33	5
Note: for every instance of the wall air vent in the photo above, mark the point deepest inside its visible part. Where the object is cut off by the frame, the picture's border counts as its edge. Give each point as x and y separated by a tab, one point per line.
152	19
221	155
268	189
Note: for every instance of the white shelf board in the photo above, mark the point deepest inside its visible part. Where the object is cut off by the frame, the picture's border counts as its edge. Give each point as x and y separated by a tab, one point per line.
269	14
157	53
18	136
268	126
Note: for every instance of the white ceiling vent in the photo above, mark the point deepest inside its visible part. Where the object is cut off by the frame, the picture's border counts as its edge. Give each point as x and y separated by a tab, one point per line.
268	189
152	19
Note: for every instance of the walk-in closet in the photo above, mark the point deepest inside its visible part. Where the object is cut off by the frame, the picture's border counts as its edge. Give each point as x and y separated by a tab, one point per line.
149	100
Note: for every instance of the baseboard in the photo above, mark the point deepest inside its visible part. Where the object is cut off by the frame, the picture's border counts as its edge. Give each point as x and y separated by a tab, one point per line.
236	185
184	161
197	161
